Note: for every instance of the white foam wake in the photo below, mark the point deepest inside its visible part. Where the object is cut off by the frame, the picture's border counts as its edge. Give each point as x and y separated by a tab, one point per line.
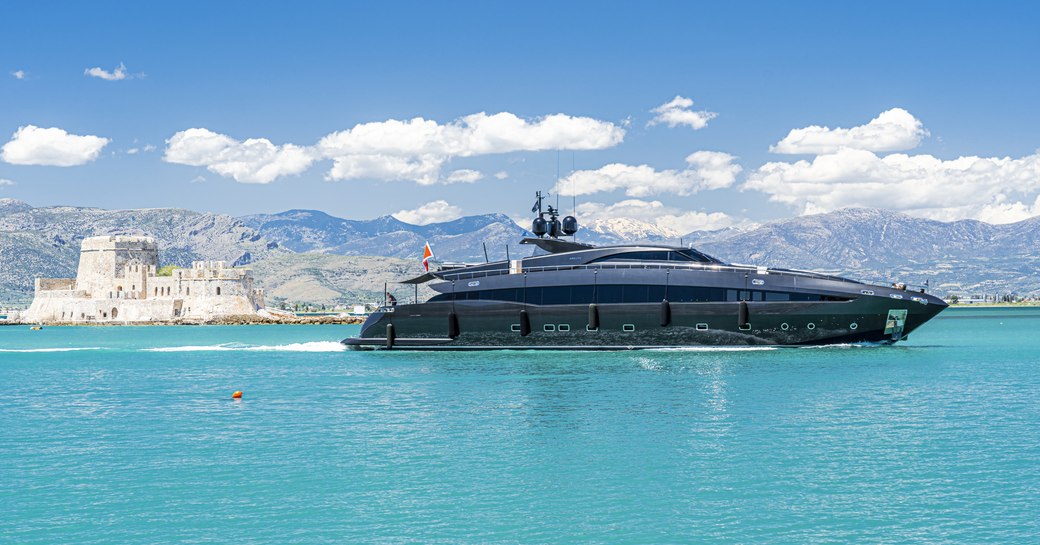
316	346
29	350
715	349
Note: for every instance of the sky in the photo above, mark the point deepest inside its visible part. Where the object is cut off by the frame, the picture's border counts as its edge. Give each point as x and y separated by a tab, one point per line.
685	115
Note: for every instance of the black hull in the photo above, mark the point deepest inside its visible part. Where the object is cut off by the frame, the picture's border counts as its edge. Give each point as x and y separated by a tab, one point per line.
482	325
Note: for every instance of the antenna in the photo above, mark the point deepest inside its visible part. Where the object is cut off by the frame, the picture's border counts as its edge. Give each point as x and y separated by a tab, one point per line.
557	178
486	260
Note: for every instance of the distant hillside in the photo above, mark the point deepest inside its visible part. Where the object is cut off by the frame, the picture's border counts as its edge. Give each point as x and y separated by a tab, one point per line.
869	244
310	256
456	240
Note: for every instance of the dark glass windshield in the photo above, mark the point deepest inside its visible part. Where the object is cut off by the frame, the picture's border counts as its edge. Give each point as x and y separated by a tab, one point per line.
685	255
628	293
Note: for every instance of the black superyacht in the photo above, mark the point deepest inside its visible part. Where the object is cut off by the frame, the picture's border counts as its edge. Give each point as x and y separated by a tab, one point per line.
581	297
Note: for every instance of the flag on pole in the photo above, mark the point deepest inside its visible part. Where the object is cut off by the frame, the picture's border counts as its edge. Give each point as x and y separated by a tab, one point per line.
427	253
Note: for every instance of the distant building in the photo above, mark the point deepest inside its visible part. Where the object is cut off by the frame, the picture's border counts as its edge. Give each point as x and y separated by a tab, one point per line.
117	283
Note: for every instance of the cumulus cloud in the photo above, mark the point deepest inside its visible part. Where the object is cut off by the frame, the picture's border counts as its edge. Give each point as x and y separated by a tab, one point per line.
994	189
415	150
892	130
18	74
418	148
677	112
117	74
32	145
706	170
464	175
255	160
666	220
431	212
501	175
5	181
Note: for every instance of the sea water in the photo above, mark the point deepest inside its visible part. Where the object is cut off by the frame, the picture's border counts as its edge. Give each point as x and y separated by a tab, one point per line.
130	435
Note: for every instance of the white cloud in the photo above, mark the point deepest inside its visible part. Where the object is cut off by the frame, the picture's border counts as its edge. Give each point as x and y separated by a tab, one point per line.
892	130
993	189
431	212
464	175
706	170
255	160
118	73
501	175
18	74
132	151
677	112
149	147
197	180
667	221
417	149
5	181
32	145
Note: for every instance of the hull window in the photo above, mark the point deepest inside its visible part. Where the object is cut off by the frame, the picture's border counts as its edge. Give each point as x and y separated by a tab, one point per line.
746	327
590	328
564	327
810	325
515	328
853	326
702	327
549	327
628	327
784	326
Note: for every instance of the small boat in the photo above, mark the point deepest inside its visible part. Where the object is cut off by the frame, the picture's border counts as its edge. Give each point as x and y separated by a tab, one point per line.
36	328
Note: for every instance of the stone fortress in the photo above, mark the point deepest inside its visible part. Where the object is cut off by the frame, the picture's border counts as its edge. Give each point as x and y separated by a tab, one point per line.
117	282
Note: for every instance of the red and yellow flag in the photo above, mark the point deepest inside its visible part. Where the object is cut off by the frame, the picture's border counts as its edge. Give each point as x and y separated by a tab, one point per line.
427	253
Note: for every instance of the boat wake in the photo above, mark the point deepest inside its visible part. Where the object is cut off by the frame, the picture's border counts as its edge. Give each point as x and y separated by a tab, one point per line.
714	349
31	350
317	346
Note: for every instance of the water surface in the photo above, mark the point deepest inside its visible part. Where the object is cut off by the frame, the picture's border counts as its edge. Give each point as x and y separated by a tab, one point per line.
130	435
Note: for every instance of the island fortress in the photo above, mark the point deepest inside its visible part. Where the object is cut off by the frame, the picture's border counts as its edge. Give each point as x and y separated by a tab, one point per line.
118	282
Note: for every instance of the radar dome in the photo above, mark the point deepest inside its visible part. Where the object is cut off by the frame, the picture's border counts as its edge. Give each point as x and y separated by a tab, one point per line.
539	227
570	225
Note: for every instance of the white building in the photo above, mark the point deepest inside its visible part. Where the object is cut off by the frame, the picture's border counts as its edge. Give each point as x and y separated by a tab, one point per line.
117	283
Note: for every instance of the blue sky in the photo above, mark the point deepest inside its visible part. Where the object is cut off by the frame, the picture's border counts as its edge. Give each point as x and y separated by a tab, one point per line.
958	79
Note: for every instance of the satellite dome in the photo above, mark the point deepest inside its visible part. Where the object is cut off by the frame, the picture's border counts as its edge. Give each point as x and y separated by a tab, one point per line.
539	227
570	225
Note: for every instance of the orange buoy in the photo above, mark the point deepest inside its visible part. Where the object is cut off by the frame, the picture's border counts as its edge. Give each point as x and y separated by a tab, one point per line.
237	394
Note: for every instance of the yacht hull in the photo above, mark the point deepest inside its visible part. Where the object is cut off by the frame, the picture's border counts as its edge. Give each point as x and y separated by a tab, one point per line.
483	325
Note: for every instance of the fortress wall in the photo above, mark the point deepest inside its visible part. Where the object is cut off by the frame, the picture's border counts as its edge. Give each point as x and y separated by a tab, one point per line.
51	284
68	309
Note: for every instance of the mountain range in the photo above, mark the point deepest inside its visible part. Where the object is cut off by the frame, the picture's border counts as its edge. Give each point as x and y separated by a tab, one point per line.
310	256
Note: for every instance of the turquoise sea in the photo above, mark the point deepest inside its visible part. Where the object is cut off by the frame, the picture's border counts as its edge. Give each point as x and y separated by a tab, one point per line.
128	435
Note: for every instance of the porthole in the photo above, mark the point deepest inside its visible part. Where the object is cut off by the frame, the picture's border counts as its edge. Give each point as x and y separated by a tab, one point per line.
628	327
514	327
702	327
853	325
564	327
810	325
549	327
784	326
